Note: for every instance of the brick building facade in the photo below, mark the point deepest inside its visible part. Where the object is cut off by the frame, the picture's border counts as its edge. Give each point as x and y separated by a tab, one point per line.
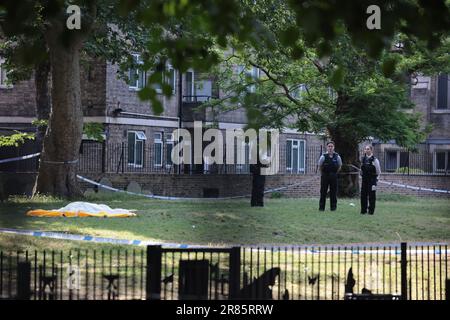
431	98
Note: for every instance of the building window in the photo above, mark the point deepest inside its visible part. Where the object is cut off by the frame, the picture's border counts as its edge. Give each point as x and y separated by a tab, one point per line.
251	74
442	161
158	149
390	162
190	89
3	75
136	148
299	91
171	80
254	74
332	93
137	76
295	156
169	148
443	89
395	159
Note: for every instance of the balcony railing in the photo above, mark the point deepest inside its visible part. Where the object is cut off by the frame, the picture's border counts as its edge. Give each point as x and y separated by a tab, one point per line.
191	110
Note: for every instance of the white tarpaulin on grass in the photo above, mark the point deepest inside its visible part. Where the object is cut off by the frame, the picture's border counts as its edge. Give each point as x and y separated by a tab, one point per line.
83	209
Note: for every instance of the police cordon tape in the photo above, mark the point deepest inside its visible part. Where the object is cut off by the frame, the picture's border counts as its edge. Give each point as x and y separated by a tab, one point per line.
152	196
413	187
66	236
20	158
392	248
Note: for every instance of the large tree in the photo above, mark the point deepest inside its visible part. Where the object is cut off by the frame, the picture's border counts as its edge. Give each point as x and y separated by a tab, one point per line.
46	21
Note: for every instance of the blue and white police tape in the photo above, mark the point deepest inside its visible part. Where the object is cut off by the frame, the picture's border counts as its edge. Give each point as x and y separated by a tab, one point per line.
389	248
67	236
20	158
413	187
152	196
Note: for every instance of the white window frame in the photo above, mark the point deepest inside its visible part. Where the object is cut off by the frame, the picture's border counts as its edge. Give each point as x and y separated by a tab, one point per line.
4	76
136	86
169	141
139	136
160	142
301	166
447	155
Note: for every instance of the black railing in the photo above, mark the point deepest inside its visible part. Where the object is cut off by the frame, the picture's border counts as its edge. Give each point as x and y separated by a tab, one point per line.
414	272
197	98
73	275
155	158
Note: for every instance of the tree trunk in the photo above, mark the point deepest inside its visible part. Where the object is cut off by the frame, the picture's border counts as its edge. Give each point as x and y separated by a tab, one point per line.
348	177
258	184
60	152
347	147
42	99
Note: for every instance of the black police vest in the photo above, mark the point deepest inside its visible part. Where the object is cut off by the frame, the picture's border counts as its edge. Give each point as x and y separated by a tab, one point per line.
330	165
367	167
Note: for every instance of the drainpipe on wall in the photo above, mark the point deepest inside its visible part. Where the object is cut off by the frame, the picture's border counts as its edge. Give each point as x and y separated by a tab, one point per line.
180	98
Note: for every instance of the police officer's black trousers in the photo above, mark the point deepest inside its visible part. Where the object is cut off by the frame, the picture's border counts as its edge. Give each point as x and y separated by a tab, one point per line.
368	195
328	180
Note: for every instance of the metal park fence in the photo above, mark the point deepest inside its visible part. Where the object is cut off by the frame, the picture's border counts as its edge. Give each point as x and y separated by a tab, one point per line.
394	272
154	158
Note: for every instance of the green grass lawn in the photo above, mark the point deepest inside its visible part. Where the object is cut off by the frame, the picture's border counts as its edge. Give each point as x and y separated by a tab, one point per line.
281	221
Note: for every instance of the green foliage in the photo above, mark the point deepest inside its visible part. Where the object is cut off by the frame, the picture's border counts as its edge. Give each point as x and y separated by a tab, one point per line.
276	195
325	21
409	170
94	130
16	139
186	33
39	123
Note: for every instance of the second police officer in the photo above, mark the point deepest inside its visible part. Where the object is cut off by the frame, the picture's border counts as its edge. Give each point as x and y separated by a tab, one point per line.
370	170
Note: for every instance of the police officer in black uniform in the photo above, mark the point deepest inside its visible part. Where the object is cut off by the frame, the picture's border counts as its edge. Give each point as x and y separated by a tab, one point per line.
330	164
370	169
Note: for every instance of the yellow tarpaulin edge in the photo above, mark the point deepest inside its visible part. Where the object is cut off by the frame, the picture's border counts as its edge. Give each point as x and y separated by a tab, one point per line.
70	214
